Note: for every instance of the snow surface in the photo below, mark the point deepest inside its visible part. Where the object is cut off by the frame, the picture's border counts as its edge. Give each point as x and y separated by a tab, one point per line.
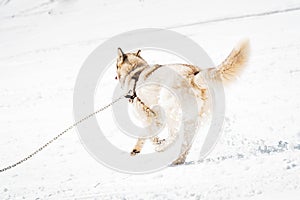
43	45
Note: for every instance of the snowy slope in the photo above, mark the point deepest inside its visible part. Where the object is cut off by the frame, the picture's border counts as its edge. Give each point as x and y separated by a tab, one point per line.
43	45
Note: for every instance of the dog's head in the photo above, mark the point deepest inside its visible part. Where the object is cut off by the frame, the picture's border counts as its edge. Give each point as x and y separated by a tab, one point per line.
127	63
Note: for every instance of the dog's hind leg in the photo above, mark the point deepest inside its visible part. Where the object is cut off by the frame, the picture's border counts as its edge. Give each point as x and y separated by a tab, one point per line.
181	159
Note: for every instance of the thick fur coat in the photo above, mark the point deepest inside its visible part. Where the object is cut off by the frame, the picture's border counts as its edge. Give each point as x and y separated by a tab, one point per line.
133	69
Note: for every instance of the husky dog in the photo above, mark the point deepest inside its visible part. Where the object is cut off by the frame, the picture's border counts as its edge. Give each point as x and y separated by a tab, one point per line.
131	68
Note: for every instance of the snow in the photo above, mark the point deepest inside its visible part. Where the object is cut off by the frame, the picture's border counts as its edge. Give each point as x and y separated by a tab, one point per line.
43	45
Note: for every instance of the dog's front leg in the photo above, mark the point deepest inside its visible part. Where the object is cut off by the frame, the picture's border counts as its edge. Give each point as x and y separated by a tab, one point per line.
138	147
150	119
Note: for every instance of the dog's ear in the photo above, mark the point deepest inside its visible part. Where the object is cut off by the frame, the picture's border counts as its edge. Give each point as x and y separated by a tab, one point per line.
121	55
138	53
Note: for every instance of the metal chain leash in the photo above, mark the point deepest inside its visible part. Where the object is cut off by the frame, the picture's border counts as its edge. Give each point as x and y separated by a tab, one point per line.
61	134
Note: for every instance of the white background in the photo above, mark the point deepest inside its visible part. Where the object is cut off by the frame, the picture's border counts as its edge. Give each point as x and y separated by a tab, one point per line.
43	45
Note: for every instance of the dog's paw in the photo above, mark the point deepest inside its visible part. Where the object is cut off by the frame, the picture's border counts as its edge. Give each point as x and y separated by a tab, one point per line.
176	163
134	152
162	145
157	141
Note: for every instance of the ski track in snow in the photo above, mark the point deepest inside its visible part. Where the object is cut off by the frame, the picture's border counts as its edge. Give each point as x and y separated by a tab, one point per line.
43	45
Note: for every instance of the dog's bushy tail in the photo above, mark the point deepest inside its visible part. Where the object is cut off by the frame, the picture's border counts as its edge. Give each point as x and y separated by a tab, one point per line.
232	66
